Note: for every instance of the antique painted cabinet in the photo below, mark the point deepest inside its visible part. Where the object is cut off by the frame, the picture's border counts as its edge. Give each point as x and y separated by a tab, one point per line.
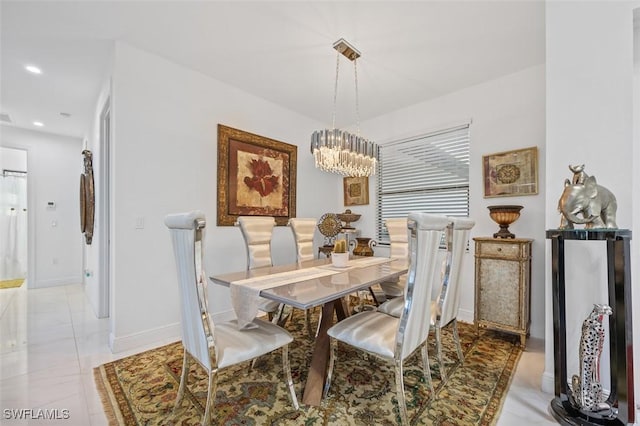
502	285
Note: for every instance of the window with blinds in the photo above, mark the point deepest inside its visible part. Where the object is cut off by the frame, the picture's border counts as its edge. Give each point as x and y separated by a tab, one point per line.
428	173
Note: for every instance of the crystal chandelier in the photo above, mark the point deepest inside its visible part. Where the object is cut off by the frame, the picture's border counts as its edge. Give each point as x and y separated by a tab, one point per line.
339	151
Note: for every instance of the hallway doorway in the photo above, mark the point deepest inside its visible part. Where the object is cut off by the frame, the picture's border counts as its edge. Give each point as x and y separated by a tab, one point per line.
13	217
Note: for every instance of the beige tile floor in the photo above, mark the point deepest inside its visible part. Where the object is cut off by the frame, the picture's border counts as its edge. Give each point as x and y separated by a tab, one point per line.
50	341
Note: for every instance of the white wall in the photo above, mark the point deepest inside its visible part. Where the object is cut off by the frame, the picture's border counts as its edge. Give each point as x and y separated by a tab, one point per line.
165	152
507	113
589	70
54	167
13	159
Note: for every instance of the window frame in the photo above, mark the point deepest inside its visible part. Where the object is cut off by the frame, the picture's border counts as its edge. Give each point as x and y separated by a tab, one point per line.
453	189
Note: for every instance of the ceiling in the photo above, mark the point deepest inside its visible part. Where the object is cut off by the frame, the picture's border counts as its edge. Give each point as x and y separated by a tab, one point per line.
279	51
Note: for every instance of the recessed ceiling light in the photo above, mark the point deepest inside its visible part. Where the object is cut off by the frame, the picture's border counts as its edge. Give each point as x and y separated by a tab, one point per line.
38	123
33	69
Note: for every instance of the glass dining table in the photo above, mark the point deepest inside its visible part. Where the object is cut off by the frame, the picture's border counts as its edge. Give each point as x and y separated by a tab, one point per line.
309	284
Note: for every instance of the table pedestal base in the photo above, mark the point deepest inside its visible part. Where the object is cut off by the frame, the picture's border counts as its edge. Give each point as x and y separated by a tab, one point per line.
320	359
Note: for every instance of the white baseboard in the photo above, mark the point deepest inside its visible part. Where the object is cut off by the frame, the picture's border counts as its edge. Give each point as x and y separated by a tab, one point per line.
547	384
465	315
55	282
159	335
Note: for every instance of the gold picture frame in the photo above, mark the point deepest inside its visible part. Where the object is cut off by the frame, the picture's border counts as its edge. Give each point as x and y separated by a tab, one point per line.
356	191
511	173
256	177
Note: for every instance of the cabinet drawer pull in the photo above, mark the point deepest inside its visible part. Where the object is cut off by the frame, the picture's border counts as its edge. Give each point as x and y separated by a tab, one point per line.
499	248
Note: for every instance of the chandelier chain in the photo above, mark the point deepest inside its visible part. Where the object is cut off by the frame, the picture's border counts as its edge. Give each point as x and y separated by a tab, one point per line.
335	92
355	72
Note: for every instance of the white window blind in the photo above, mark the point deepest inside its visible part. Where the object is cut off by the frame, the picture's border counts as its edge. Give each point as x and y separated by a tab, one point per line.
428	173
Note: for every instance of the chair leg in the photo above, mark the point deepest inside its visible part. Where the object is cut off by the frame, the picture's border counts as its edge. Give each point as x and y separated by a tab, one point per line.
287	373
402	405
456	337
377	294
280	318
211	397
333	349
186	364
443	374
252	364
361	297
425	367
319	323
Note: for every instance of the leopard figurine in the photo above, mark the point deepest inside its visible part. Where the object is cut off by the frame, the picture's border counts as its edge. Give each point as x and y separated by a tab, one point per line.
586	388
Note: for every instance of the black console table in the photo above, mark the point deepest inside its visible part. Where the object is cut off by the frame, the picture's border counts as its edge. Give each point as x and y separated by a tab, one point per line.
620	328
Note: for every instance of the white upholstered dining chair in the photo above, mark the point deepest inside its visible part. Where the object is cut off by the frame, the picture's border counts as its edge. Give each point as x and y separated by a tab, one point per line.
395	339
398	249
446	302
444	309
257	232
303	231
214	346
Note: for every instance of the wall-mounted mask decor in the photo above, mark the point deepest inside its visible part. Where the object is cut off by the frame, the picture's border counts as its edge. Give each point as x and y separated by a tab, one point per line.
584	202
87	198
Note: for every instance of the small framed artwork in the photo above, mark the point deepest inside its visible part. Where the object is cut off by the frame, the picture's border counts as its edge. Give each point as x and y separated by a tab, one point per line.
256	177
511	173
356	191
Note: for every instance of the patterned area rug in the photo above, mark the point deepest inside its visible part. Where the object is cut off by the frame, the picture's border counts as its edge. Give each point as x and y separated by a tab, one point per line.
11	283
141	389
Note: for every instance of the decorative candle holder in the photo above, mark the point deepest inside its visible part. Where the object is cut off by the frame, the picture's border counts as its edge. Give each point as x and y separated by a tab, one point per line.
504	216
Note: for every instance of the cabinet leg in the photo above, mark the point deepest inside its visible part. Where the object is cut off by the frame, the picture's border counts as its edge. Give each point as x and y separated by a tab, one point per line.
523	340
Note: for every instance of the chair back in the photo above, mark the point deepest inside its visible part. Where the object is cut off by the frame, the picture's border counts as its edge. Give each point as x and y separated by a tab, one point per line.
398	237
449	297
187	235
425	235
257	232
303	231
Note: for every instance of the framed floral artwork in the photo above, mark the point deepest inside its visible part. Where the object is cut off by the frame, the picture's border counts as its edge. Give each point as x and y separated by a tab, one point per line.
356	191
256	177
511	173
